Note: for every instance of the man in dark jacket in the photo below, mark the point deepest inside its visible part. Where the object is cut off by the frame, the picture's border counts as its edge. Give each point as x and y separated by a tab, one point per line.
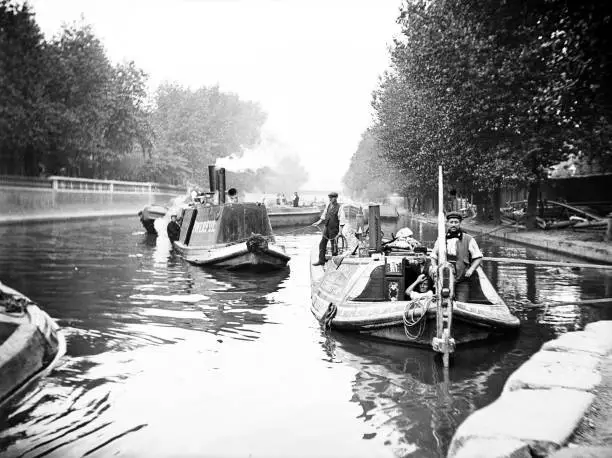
334	219
174	229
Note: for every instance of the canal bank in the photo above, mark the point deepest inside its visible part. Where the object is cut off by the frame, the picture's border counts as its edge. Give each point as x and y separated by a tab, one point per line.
65	215
557	404
561	241
28	199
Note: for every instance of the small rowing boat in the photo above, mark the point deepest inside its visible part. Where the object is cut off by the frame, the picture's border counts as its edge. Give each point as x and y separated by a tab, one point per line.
31	343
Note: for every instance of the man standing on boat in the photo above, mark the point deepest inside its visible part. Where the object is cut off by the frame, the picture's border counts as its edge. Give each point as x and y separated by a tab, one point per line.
462	251
334	220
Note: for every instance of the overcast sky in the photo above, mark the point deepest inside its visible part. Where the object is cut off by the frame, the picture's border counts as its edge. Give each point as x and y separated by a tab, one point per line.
312	64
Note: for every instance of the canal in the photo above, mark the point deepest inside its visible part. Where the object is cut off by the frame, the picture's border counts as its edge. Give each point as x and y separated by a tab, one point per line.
168	359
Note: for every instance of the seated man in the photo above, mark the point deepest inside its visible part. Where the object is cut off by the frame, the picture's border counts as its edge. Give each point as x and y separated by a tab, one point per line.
463	252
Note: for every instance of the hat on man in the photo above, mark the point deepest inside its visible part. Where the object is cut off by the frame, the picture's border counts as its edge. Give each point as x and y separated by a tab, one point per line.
454	214
332	194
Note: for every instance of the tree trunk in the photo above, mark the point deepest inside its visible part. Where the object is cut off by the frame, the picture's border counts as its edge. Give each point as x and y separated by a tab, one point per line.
483	205
496	203
532	205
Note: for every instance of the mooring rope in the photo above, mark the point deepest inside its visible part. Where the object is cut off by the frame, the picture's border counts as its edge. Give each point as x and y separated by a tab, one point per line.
415	314
329	315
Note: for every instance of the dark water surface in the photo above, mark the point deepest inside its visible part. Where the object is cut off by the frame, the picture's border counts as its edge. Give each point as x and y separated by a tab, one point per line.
171	360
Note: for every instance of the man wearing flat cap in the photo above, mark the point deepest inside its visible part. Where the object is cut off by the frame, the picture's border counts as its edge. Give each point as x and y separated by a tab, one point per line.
334	220
462	251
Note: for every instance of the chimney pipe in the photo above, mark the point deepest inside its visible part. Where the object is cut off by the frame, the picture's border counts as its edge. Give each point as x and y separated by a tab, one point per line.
212	178
221	185
374	228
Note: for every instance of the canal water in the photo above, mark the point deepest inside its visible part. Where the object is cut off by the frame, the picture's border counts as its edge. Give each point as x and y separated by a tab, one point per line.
172	360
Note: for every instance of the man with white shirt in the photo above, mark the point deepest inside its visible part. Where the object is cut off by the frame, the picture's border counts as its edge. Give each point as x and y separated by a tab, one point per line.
334	219
462	251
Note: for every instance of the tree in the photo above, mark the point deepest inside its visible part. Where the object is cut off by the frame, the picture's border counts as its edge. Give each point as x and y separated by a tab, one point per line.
194	128
22	77
496	92
371	176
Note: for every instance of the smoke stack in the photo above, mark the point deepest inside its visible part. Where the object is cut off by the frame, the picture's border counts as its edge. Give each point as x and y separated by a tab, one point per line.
221	185
212	178
374	228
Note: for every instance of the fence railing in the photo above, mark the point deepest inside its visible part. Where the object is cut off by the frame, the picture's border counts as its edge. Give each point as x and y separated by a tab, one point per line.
87	185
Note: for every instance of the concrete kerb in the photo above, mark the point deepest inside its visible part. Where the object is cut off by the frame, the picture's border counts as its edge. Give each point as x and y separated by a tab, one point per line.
542	402
61	216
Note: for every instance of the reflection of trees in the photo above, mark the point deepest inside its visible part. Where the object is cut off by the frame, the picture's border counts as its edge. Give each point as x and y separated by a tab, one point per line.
407	396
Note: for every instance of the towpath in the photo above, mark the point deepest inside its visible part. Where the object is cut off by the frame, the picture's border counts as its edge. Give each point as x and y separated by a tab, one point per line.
584	245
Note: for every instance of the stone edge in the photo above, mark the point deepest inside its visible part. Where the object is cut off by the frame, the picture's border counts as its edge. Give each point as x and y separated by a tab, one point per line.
599	329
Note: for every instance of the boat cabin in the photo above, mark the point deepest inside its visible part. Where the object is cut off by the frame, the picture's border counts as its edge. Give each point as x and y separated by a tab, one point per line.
222	224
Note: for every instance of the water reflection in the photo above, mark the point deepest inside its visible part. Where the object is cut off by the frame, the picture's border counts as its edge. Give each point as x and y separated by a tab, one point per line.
406	396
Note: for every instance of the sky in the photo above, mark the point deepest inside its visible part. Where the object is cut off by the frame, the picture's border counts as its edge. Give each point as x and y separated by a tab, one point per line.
311	64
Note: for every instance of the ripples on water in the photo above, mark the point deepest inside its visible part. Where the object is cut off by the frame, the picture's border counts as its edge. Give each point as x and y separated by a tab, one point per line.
169	359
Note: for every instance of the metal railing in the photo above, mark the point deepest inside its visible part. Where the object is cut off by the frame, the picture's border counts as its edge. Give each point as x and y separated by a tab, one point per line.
88	185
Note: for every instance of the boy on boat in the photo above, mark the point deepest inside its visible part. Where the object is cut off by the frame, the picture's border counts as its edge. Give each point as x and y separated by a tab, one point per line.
420	288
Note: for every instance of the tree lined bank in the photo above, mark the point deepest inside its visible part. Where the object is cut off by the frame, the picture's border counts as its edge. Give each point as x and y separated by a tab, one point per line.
497	92
66	109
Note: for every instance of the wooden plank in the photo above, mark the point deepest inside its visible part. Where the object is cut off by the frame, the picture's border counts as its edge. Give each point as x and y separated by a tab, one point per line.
538	262
603	300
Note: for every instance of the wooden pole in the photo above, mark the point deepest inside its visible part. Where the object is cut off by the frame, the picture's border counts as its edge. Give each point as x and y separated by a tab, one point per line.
445	283
581	302
538	262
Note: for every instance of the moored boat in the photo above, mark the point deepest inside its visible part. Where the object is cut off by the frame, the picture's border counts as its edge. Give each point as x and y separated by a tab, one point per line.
149	214
388	212
293	216
230	235
363	291
31	343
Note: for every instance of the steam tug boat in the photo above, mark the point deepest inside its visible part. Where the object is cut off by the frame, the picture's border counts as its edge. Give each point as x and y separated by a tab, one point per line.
228	234
363	291
31	343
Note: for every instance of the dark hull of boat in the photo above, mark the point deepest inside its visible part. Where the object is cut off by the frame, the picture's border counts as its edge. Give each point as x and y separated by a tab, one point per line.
149	225
31	344
463	332
236	256
149	214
